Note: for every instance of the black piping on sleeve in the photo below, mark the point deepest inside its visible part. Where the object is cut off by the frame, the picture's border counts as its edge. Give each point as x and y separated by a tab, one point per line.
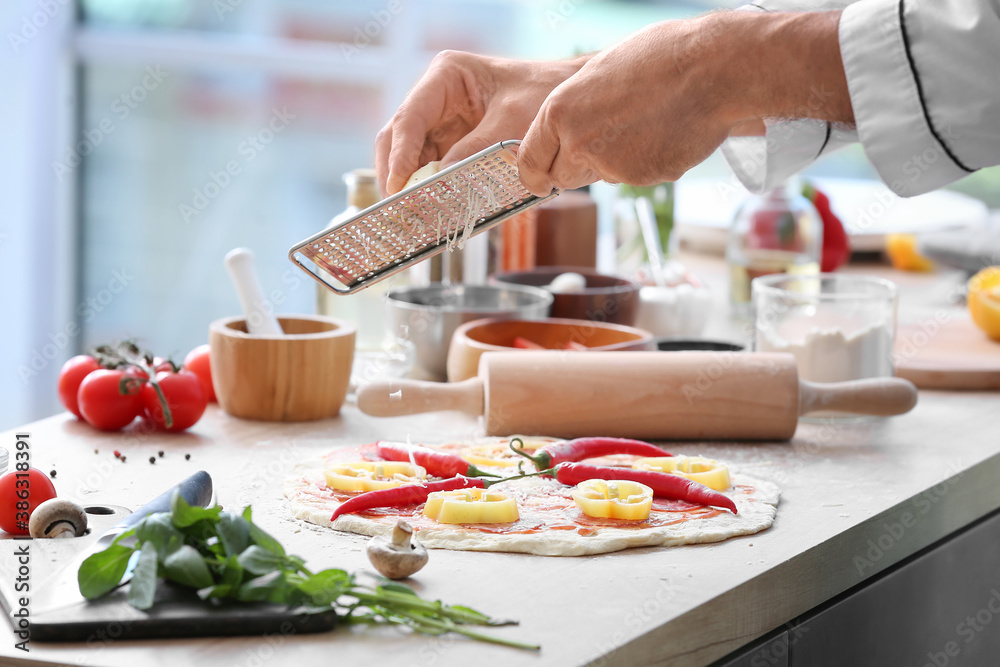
826	140
920	91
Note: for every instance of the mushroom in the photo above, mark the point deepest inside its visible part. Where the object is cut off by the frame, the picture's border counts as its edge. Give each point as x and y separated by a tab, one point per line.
400	557
57	517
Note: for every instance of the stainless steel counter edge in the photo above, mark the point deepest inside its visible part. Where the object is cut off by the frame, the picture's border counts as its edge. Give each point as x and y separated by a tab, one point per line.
784	592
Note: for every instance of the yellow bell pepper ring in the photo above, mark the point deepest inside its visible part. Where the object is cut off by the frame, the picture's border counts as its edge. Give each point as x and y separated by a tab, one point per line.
711	473
471	506
499	455
616	499
361	476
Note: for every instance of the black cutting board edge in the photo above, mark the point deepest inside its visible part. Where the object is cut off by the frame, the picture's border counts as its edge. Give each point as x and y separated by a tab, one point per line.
177	613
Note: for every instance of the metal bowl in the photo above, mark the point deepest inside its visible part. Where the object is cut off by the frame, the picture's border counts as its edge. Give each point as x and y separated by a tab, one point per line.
604	298
428	316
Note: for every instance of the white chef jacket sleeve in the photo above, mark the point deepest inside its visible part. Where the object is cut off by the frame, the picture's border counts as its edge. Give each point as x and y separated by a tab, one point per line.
789	145
925	89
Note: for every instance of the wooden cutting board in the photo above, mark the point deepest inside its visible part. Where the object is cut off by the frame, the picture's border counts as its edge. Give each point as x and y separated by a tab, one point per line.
952	354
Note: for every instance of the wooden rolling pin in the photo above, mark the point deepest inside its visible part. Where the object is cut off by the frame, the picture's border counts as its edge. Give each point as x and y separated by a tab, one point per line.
647	395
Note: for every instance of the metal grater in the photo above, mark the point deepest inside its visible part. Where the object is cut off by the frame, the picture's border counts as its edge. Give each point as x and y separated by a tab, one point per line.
417	222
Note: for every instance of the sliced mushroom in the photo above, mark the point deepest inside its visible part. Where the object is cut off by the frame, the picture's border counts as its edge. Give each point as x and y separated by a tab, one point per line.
399	557
57	517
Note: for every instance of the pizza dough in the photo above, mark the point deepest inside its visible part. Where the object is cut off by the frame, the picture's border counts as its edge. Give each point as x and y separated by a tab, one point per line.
550	523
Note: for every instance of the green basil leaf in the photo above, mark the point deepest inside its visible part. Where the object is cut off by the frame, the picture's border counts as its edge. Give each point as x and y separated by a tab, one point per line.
259	537
217	591
323	588
214	547
158	530
271	587
187	567
234	533
127	534
142	588
293	563
184	515
102	571
232	572
258	560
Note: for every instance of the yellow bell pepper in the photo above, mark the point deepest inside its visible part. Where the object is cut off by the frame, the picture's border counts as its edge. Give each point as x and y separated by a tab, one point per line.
618	499
711	473
499	454
360	476
471	506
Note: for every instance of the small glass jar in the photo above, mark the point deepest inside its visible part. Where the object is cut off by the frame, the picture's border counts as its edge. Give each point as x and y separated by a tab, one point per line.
777	232
839	327
632	255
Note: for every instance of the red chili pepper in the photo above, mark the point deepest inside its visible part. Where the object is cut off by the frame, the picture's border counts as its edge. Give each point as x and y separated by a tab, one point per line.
663	484
586	448
836	243
435	463
408	494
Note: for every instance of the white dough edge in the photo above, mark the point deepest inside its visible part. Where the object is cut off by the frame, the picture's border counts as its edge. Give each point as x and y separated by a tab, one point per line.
753	516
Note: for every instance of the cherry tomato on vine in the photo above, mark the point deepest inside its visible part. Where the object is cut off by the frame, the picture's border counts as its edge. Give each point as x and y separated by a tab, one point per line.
102	403
198	362
184	396
72	374
161	365
20	493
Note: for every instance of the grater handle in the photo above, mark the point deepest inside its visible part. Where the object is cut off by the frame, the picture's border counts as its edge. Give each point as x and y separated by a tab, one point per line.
259	312
395	398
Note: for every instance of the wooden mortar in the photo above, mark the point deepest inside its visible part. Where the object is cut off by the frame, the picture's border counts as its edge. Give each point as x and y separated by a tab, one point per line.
300	376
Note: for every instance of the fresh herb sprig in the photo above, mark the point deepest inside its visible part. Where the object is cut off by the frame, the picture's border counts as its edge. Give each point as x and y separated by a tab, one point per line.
224	555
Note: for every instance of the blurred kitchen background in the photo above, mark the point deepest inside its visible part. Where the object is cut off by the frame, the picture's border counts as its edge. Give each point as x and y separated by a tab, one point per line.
128	168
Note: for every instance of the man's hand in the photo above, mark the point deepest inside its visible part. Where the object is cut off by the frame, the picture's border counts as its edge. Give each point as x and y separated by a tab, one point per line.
650	108
463	104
